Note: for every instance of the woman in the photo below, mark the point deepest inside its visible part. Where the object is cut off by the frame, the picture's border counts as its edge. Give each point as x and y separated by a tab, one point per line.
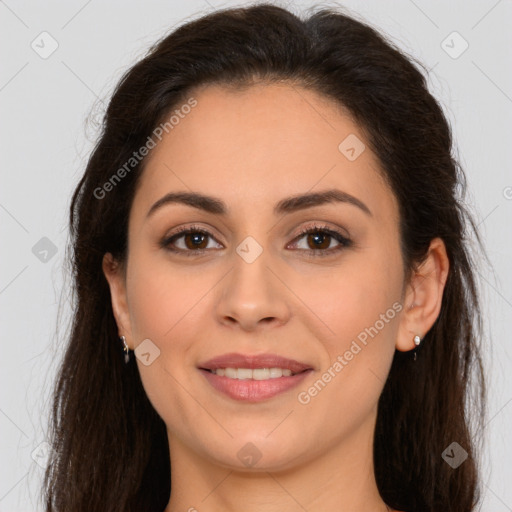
269	229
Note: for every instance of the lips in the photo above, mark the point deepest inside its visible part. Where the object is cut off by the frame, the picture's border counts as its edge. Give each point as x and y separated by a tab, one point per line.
234	360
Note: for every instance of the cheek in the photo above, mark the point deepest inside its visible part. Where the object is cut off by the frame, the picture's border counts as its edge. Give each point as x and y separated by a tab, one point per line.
353	297
362	316
162	298
165	307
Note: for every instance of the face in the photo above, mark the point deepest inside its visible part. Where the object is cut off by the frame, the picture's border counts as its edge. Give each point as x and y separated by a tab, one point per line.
250	281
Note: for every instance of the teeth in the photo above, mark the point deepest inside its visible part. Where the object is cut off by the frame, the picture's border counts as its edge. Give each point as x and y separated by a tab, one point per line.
256	374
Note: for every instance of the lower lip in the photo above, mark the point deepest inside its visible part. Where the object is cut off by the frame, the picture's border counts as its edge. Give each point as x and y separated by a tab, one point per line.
250	390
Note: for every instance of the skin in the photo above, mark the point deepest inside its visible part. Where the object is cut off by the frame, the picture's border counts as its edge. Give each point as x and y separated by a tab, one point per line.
251	149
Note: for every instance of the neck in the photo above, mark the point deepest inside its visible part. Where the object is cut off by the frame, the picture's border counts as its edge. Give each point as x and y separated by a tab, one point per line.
340	479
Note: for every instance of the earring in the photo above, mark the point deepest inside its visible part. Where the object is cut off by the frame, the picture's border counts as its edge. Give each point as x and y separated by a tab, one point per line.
417	341
126	349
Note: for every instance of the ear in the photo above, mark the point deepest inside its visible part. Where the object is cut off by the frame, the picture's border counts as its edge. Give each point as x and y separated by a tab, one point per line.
423	296
114	273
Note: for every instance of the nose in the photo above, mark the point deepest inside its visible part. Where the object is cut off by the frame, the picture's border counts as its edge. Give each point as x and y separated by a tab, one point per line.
252	296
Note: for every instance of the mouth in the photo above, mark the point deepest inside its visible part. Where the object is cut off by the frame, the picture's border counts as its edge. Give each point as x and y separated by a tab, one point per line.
253	378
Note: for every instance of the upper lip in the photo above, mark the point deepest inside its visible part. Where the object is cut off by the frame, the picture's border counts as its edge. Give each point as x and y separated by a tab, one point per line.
234	360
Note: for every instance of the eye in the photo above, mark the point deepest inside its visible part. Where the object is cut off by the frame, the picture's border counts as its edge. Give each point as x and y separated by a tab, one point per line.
318	240
194	241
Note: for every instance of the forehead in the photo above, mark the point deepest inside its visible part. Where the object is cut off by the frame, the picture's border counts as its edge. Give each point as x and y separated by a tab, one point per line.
257	145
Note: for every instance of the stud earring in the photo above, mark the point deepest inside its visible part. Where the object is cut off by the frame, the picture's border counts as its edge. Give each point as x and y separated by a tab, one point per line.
126	349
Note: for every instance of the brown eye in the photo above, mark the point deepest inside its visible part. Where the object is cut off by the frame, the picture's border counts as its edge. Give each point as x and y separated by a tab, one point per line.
187	241
318	241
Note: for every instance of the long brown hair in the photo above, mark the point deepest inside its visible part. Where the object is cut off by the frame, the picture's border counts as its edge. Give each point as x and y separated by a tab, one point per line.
109	445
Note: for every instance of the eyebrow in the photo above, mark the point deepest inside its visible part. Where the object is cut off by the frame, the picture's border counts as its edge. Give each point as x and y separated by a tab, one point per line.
289	205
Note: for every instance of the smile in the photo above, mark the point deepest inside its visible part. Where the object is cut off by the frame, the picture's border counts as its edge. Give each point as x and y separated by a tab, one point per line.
252	389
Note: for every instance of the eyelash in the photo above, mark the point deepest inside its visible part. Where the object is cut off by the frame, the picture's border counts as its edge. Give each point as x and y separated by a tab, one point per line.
344	241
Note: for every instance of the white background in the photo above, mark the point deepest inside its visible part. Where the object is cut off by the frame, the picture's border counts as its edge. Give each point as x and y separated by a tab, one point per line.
45	142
